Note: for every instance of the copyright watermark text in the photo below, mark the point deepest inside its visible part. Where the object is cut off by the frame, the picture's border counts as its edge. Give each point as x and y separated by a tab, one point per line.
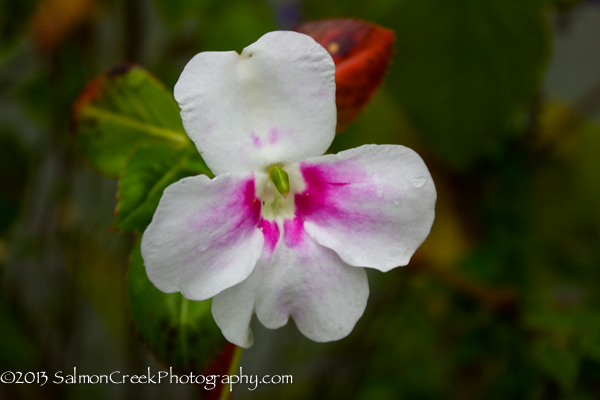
209	382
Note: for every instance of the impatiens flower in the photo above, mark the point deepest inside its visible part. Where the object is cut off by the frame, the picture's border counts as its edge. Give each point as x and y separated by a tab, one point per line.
281	230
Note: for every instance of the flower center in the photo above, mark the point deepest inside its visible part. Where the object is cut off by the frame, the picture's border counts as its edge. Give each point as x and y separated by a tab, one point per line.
276	188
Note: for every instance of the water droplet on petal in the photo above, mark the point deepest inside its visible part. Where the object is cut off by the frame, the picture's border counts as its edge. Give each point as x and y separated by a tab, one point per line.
418	180
201	247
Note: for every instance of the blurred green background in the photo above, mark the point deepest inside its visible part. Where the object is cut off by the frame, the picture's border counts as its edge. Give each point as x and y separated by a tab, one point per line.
498	96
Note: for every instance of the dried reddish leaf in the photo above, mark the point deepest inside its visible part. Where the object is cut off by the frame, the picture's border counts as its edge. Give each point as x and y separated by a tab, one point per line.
361	52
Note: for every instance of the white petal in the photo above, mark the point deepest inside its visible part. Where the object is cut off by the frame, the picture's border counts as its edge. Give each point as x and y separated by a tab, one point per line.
309	282
232	309
204	237
273	103
373	205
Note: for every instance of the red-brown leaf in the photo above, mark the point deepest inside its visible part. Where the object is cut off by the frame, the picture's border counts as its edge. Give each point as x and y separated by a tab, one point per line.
361	52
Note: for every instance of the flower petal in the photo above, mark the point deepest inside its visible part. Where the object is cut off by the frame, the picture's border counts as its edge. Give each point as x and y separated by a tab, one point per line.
309	282
232	309
273	103
204	237
373	205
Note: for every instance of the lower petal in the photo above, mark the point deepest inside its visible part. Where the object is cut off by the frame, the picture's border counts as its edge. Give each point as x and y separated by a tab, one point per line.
232	309
312	284
203	237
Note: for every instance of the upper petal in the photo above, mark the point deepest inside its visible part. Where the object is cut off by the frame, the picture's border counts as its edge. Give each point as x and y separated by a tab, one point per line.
204	237
309	282
273	103
373	205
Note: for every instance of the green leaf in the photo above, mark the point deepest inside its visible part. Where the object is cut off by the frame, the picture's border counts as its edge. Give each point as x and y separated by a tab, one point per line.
120	110
180	333
147	173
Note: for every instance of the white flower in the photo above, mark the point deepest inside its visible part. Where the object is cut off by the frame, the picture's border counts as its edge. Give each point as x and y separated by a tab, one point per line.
237	239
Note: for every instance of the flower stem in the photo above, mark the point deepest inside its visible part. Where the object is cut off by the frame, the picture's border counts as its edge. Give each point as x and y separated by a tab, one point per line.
235	362
182	328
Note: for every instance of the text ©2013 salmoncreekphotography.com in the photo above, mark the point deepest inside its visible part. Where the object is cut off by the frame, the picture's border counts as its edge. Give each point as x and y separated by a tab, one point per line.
117	378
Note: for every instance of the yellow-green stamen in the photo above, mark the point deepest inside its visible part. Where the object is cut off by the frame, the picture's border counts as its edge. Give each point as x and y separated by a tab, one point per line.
281	180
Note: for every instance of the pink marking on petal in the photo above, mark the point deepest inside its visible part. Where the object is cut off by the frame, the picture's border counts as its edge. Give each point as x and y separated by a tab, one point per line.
334	192
322	183
293	232
251	202
273	136
270	231
256	140
232	220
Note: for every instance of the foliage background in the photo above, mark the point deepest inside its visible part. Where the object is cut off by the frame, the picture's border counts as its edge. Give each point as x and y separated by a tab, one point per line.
499	97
